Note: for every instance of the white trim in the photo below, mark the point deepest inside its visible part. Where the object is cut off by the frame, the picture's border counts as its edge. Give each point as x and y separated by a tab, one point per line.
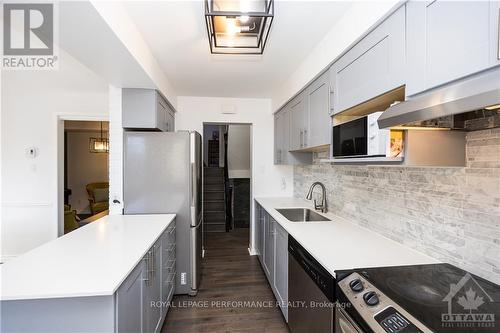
252	251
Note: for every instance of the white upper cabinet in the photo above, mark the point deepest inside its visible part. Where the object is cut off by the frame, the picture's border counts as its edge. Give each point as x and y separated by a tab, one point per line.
318	95
375	65
448	40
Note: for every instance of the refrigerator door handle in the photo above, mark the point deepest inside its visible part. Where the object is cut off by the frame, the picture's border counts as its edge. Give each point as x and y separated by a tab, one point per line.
197	224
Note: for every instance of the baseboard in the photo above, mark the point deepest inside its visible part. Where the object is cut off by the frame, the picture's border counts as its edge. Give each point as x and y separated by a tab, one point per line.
252	252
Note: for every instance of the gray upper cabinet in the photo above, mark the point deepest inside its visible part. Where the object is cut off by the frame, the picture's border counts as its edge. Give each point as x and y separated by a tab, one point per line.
146	109
298	123
281	136
375	65
448	40
318	95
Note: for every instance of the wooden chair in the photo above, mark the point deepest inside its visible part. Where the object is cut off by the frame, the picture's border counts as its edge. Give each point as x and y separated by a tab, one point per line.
97	201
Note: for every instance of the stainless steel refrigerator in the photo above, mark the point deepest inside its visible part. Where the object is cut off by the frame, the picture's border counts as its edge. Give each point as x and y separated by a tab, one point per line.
163	174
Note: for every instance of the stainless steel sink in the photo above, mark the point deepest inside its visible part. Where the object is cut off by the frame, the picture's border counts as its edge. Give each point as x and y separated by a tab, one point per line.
301	215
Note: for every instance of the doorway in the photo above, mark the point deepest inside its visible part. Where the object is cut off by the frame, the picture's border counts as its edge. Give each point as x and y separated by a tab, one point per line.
86	172
227	177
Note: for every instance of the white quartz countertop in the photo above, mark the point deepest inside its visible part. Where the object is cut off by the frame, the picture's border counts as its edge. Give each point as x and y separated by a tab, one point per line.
340	244
90	261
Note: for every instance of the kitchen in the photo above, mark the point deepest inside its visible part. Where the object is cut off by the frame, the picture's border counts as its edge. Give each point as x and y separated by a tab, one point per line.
375	181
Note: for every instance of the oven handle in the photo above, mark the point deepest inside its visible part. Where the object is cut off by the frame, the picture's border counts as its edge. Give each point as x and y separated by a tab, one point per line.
344	323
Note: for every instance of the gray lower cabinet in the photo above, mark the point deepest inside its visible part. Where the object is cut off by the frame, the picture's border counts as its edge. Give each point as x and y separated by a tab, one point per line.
274	256
129	301
269	248
281	268
141	300
375	65
259	237
146	109
448	40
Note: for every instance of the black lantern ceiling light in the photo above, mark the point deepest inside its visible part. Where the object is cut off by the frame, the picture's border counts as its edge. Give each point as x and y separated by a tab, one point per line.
238	26
99	145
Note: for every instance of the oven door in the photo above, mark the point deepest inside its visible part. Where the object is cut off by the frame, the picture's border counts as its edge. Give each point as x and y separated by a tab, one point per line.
344	323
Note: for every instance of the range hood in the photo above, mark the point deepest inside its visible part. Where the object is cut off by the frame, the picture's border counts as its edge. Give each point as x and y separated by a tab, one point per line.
472	103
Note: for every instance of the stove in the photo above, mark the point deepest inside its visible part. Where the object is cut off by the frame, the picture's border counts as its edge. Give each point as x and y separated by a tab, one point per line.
417	298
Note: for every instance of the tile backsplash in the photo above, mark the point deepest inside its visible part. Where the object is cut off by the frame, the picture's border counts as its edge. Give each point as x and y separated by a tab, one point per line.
452	214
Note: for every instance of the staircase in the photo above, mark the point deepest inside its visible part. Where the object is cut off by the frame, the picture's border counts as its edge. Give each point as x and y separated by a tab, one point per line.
214	216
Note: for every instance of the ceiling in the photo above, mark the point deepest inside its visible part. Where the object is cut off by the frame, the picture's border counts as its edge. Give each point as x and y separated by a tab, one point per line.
177	36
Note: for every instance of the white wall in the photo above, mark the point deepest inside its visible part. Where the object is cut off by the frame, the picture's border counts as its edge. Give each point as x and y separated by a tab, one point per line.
84	168
31	102
238	151
267	179
356	21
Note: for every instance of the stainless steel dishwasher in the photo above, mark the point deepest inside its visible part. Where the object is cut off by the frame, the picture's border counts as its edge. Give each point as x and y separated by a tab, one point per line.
311	292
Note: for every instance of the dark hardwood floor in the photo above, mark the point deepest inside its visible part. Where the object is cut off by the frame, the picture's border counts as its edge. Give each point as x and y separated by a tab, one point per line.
228	274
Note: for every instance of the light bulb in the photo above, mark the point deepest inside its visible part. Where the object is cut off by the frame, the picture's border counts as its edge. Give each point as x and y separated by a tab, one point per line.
231	26
244	18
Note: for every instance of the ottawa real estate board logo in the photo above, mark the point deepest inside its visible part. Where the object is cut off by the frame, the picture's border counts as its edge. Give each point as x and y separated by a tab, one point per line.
29	36
467	302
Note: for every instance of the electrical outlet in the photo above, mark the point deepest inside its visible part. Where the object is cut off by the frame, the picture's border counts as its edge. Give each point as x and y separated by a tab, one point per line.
183	278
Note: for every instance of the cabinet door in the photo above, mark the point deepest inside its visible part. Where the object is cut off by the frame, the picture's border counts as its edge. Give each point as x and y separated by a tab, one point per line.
263	233
373	66
172	121
130	300
152	314
162	114
269	251
278	153
318	94
448	40
281	268
298	120
258	230
281	136
139	108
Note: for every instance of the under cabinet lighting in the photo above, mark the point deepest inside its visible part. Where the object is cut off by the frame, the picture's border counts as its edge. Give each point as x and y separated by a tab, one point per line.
493	107
238	26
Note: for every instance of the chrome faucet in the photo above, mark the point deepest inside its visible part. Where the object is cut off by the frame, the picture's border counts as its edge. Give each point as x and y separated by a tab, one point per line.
322	206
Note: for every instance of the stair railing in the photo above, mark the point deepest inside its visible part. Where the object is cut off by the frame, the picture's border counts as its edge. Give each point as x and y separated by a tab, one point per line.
227	189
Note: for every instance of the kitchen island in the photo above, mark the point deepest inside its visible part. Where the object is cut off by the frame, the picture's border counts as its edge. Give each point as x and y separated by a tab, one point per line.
99	278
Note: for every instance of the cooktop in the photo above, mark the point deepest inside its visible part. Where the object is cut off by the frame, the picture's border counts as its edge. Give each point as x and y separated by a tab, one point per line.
420	298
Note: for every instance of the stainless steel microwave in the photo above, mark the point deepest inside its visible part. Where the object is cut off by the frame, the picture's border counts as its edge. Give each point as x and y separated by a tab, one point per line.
360	138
